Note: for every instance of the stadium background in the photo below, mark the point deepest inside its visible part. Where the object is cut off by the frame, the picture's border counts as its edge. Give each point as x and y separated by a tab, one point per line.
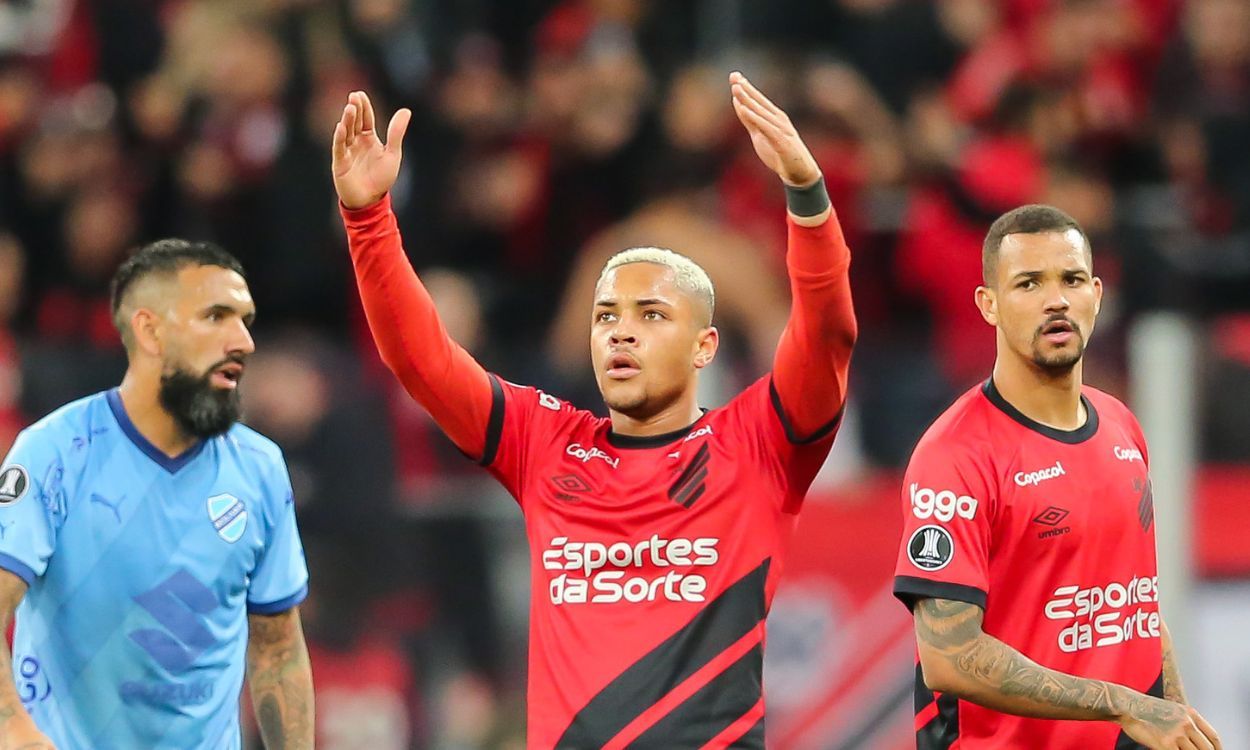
548	134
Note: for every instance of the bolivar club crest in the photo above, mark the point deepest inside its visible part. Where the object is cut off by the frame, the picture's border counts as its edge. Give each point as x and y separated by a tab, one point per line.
229	516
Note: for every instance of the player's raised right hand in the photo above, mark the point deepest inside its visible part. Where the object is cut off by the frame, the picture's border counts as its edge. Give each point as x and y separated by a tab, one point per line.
1163	725
364	167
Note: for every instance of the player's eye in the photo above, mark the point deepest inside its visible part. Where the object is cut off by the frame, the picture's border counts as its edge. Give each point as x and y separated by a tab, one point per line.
653	315
604	317
1027	284
1076	280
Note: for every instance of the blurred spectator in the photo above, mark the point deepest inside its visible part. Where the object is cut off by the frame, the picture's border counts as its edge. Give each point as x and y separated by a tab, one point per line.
12	270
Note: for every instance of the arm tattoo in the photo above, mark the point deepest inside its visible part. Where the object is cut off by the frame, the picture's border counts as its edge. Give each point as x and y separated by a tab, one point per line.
280	678
1173	688
998	676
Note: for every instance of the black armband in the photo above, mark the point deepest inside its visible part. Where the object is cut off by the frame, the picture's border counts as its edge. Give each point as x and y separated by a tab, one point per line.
807	201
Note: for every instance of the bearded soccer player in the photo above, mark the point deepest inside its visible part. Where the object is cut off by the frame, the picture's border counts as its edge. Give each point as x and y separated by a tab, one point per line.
658	533
151	540
1028	552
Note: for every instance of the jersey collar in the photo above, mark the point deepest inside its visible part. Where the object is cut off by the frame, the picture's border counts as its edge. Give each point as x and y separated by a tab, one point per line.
172	465
1071	437
617	440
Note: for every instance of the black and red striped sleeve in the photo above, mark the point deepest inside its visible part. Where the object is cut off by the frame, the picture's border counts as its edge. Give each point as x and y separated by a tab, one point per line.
436	371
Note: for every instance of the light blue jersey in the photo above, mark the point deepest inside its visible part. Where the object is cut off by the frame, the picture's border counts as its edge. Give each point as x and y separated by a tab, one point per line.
142	570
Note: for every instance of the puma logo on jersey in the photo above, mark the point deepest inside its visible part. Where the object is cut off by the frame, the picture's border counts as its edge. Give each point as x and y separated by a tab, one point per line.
1128	454
1034	478
586	454
112	505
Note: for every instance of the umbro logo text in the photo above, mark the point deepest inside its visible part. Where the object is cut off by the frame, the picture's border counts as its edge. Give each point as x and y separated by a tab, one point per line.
1052	517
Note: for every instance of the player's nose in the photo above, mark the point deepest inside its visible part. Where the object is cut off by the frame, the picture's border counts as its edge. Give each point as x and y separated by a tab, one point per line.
622	334
1057	301
241	340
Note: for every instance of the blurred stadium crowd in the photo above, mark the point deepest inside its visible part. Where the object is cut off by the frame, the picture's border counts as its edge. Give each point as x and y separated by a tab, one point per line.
548	134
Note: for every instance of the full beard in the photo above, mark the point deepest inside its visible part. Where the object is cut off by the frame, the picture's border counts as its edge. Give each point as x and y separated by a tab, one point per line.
198	407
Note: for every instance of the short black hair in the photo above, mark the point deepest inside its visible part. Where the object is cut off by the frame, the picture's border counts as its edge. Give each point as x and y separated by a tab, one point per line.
1034	218
165	257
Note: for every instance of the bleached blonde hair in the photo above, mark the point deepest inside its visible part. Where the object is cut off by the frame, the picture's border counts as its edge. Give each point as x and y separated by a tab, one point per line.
687	275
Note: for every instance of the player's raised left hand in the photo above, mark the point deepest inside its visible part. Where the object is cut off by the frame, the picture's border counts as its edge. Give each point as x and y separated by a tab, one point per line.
776	141
365	168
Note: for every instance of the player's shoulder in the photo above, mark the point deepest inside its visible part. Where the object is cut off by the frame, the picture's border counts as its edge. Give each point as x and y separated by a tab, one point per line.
76	424
252	445
539	403
758	397
1108	406
965	426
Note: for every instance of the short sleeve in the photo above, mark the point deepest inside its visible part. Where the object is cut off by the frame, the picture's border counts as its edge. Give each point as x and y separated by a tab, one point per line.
521	419
796	459
32	504
280	579
947	504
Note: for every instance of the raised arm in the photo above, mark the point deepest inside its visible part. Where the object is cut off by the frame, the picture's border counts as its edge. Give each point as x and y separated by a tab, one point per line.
17	729
958	658
812	363
436	371
279	677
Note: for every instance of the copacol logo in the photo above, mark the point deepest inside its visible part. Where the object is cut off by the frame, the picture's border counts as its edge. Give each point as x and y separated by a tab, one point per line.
229	516
930	548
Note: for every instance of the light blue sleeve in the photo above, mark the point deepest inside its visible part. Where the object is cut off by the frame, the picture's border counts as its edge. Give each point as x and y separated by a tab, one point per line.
32	503
280	580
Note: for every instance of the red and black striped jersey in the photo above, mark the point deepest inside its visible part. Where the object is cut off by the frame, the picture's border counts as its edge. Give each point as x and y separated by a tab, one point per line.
1051	532
654	561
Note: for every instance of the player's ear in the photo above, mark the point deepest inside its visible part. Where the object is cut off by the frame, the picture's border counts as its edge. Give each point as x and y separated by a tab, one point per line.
987	303
705	347
146	329
1097	295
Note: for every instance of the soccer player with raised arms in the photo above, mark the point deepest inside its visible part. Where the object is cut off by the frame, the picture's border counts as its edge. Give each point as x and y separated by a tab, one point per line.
151	540
1028	551
658	533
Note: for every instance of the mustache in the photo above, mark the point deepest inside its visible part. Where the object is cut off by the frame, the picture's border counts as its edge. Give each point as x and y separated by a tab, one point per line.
233	359
1057	318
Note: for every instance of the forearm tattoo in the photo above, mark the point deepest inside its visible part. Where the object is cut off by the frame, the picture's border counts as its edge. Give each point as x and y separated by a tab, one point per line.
1173	688
280	677
1000	677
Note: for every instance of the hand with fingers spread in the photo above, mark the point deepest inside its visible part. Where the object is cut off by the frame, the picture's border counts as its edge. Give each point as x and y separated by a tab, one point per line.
776	141
1163	725
364	168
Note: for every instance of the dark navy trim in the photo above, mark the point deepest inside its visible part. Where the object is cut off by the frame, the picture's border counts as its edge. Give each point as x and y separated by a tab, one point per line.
791	434
18	568
282	605
1071	437
494	425
911	589
172	465
629	442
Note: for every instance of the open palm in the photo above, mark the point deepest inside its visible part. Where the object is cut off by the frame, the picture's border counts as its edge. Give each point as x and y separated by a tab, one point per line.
776	142
364	168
